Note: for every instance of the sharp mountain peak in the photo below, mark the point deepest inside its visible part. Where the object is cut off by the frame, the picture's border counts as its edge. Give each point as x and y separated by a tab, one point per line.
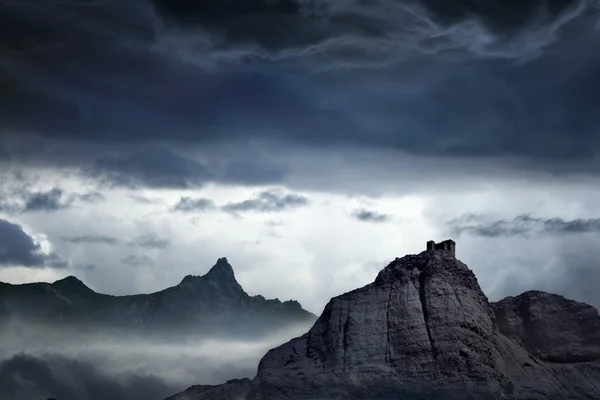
222	269
221	272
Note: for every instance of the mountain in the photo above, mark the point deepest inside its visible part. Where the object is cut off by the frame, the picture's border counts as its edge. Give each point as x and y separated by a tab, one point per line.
214	303
425	330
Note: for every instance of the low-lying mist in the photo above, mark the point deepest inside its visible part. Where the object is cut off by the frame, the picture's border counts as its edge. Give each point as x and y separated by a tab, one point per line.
108	366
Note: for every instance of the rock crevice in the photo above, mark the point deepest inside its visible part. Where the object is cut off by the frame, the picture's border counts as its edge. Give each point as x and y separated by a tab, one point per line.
423	300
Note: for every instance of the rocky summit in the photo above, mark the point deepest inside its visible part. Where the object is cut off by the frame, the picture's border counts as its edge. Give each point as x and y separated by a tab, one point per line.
425	330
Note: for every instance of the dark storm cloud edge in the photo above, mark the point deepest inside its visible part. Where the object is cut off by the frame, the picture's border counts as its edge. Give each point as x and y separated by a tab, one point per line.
133	78
140	165
17	248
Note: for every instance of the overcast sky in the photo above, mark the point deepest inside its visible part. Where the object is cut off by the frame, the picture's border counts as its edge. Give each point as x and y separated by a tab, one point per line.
308	141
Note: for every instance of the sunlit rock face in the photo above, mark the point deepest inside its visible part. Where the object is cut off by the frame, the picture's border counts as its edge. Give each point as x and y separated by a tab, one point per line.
424	329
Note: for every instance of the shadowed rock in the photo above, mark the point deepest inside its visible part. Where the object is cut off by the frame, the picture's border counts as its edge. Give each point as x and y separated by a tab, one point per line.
425	330
551	327
211	304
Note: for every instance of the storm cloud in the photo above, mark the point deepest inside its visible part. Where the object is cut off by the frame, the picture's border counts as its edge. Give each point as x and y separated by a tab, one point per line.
388	98
178	94
17	248
151	167
110	367
146	125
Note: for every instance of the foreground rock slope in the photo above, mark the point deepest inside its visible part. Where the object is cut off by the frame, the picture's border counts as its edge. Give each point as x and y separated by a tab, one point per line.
425	330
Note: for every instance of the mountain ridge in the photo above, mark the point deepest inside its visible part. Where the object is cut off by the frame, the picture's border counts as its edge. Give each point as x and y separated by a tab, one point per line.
209	303
424	329
71	281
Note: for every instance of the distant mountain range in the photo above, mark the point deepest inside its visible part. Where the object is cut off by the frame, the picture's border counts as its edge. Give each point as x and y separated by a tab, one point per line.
425	330
212	304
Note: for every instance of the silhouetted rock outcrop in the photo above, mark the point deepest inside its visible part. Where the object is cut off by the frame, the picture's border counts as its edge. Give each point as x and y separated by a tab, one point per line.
551	327
425	330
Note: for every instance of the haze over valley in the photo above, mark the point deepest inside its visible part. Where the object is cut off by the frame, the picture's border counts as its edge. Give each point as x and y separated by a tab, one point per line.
65	340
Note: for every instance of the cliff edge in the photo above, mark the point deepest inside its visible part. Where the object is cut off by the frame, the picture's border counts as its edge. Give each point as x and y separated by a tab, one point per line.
424	329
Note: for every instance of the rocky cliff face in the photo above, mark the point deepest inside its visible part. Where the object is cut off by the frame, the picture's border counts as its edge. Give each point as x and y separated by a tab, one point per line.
424	329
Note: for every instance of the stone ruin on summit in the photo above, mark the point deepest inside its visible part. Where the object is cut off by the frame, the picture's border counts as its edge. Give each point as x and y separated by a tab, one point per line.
448	245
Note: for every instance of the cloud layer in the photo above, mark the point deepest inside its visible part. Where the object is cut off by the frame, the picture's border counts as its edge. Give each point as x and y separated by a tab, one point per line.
33	365
55	376
143	104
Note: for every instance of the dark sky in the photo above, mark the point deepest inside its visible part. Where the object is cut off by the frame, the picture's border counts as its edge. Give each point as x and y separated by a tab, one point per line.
308	141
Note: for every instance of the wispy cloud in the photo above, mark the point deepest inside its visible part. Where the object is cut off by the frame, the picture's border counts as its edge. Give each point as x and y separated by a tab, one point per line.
92	197
143	200
188	204
521	225
135	260
91	239
150	241
268	201
22	199
366	215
